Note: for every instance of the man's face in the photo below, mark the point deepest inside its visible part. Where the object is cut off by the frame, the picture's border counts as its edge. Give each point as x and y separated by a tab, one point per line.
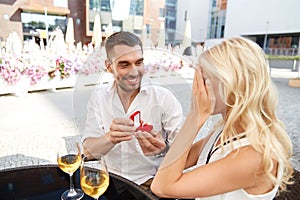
126	64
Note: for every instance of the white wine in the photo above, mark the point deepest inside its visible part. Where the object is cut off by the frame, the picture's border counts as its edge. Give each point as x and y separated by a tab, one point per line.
69	163
94	183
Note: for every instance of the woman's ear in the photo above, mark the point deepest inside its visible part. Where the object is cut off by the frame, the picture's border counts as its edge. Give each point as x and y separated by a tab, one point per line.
108	66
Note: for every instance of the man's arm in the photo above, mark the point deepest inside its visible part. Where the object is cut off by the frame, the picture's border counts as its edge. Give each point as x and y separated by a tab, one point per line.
121	130
99	145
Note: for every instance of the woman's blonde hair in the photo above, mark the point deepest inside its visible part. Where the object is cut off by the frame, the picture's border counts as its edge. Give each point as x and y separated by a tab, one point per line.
251	98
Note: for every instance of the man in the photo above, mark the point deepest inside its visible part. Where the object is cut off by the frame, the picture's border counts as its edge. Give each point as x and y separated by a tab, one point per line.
129	151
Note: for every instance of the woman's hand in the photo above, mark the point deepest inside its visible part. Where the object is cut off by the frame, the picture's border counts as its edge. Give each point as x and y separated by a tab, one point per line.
203	97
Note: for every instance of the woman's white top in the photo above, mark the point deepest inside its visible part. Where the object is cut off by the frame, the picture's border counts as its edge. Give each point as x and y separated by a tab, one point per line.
220	153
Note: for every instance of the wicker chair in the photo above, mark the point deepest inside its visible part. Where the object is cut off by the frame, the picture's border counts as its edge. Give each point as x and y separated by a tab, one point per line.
293	191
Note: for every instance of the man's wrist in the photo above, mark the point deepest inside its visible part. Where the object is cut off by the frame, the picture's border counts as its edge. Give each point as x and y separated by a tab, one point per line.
163	152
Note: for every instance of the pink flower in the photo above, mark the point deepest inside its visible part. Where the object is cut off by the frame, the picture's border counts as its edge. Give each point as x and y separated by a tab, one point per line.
35	73
11	74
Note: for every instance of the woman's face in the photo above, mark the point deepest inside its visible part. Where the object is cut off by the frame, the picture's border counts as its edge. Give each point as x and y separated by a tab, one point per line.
220	107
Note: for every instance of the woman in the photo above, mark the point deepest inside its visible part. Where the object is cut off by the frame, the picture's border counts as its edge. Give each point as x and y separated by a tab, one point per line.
247	155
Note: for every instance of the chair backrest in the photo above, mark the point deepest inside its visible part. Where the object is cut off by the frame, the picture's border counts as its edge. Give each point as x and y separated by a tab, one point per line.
293	191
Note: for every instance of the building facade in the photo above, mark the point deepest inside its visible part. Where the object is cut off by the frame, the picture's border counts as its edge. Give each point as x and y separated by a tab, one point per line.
198	13
32	18
273	24
216	19
38	19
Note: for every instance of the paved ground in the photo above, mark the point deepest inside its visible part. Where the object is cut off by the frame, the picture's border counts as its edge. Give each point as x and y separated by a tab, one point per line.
32	125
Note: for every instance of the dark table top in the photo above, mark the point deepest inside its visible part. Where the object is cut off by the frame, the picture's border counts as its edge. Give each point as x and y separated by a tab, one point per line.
49	182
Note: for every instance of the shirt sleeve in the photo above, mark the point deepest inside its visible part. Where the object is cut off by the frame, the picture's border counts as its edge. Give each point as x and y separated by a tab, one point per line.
94	124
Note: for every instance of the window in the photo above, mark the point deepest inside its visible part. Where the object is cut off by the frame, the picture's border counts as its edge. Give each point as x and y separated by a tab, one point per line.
60	3
171	24
95	5
137	7
105	5
148	27
32	22
35	25
161	12
170	11
171	2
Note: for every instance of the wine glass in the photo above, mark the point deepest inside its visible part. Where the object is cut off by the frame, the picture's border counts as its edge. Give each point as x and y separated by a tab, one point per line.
94	177
68	160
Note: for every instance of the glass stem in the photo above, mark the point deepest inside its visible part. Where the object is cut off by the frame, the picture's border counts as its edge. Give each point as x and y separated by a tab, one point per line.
71	183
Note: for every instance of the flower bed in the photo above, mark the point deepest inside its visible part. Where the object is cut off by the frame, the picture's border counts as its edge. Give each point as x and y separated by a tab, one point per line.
43	70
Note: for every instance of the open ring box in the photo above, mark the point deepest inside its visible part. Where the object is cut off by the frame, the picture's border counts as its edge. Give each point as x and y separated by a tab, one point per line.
137	122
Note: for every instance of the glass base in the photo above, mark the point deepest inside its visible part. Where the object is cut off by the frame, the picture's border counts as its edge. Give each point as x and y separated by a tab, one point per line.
72	195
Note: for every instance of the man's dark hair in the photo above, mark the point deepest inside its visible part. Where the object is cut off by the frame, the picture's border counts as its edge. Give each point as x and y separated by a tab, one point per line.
122	37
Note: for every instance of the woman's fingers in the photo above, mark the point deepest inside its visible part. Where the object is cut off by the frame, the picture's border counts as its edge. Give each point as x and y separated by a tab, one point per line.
210	94
203	99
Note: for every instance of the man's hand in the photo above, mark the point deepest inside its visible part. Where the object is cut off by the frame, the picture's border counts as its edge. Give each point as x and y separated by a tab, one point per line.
121	129
151	143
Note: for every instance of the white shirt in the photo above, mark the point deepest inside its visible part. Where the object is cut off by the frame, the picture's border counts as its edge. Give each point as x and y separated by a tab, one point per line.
239	194
158	107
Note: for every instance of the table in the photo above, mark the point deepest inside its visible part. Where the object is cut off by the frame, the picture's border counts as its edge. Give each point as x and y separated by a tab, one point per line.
49	182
